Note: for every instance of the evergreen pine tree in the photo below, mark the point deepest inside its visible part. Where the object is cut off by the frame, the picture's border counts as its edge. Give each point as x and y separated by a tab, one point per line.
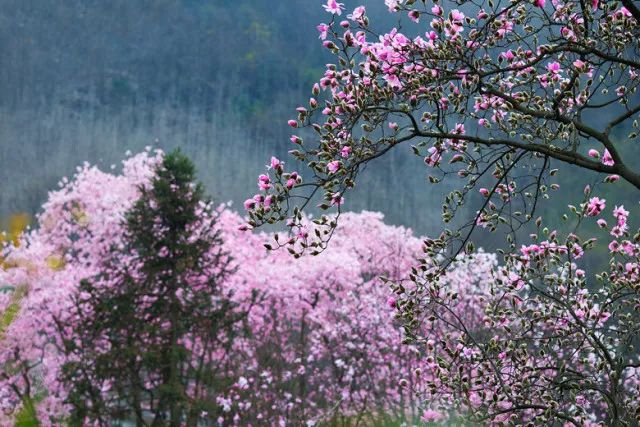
145	335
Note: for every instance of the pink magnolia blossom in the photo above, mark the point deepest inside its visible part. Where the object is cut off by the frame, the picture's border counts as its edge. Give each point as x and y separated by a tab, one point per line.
607	159
323	29
457	16
276	163
345	151
249	204
595	206
392	4
391	302
429	415
621	215
334	7
577	251
333	166
358	14
554	67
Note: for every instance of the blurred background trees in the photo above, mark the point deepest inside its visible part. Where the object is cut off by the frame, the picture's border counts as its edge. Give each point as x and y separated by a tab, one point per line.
90	80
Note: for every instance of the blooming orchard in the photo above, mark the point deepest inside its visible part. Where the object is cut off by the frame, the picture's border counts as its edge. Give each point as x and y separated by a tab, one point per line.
322	347
501	96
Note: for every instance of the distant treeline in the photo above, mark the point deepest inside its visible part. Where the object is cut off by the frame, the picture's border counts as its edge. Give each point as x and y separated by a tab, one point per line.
88	80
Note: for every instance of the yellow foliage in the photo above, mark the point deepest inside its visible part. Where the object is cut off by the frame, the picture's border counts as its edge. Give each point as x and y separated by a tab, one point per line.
13	227
17	223
55	262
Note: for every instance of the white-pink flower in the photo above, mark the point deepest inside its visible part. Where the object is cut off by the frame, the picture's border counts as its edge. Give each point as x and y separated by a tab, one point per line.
595	206
333	166
429	415
553	67
334	7
457	16
323	29
392	4
358	14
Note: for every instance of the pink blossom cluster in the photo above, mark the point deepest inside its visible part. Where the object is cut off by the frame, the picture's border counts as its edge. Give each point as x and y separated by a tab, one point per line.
542	314
325	344
79	222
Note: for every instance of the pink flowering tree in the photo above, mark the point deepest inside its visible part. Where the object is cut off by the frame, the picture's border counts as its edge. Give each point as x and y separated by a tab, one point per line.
77	225
340	356
319	342
555	344
501	96
493	97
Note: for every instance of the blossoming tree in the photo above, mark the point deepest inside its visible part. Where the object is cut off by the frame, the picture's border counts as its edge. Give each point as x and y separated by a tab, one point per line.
318	342
499	95
78	224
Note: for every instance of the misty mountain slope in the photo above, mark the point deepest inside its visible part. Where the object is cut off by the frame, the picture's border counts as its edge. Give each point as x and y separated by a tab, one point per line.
88	80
